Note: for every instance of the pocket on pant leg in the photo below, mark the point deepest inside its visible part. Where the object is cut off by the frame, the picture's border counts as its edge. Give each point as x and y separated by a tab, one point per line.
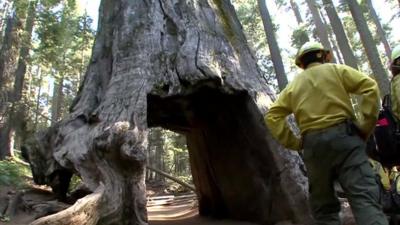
368	172
359	178
370	181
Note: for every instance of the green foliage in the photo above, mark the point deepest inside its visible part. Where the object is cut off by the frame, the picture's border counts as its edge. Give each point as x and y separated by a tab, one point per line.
249	16
168	152
299	37
354	37
174	187
4	218
265	64
21	7
75	181
63	43
13	173
176	154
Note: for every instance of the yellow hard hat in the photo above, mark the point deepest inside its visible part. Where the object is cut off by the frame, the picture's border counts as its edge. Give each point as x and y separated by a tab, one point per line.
395	53
306	48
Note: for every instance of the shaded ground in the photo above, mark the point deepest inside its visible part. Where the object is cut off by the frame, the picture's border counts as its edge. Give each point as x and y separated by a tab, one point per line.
165	210
23	214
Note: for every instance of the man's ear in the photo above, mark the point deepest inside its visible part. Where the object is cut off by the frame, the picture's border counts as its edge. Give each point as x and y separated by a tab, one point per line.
396	62
329	56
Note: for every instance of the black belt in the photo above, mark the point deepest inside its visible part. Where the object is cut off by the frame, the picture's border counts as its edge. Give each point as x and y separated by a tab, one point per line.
347	126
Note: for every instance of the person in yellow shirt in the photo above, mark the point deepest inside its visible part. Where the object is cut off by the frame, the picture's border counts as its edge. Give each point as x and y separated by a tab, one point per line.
333	138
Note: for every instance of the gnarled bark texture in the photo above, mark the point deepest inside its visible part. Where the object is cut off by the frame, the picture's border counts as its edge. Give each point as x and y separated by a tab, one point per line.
183	65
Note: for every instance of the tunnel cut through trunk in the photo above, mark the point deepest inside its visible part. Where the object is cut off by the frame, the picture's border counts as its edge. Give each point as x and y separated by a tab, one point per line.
231	165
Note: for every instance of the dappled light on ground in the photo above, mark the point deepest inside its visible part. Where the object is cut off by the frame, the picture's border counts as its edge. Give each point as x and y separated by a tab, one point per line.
168	212
164	211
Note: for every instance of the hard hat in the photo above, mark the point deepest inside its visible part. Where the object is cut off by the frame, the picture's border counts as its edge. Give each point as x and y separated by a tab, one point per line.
309	47
395	53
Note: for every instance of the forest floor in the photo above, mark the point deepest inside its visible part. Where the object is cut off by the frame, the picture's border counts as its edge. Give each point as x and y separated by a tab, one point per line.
166	209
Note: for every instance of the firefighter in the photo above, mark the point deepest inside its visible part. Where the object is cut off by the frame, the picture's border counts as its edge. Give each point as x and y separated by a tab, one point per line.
333	139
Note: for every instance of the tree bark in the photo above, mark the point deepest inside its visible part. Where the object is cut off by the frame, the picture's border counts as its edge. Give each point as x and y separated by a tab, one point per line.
185	66
16	116
381	33
8	59
57	99
341	37
372	52
24	52
320	27
296	12
4	14
273	45
156	144
39	92
335	47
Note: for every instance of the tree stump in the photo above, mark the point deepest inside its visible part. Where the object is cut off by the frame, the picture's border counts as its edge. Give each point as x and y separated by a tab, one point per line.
184	66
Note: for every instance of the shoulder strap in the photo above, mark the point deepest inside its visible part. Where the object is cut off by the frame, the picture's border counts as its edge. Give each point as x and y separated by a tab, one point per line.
387	103
387	106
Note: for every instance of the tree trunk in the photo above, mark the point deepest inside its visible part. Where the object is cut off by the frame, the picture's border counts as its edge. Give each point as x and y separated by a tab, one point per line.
185	66
379	29
332	41
4	14
57	100
39	92
341	38
24	52
296	12
16	118
369	46
273	45
156	144
8	59
320	27
183	157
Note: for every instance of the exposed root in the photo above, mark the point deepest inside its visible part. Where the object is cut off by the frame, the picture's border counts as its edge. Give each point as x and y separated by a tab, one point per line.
13	204
83	212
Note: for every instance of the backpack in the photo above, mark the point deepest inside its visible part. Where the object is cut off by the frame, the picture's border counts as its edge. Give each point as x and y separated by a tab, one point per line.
384	143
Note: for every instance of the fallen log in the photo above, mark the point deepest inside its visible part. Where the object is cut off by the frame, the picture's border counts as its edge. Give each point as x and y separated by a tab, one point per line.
183	183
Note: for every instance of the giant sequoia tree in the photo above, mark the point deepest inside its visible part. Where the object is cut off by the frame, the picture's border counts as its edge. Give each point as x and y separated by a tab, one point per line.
185	66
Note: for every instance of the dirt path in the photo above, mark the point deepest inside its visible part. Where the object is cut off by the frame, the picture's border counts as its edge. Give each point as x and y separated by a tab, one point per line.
175	211
183	214
196	220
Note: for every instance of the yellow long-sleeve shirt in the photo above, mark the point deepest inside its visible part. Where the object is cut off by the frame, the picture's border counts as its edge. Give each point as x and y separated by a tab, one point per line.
395	95
319	98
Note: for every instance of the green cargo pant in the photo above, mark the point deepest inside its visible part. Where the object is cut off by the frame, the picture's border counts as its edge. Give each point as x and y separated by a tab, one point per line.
338	153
